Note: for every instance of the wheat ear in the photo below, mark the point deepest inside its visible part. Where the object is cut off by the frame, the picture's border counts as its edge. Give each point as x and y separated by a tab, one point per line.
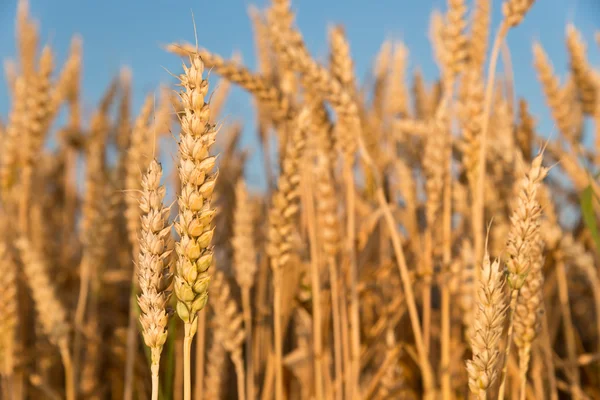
245	268
8	310
153	266
282	219
52	314
527	319
522	243
487	330
194	225
229	322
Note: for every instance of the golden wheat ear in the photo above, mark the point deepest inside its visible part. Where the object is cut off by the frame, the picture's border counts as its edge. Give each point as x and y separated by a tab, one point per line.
153	267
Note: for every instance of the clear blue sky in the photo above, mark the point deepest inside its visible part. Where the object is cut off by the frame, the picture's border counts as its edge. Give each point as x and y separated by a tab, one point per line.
130	32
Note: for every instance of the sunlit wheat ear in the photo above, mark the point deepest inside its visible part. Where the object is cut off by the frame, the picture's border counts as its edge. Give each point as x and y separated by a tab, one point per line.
582	71
340	60
51	312
39	103
194	224
530	306
264	91
243	238
455	40
480	32
487	330
153	266
229	321
525	221
555	95
522	244
514	11
473	110
11	138
198	176
8	309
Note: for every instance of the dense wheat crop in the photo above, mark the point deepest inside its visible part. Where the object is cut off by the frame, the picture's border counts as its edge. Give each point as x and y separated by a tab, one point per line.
410	242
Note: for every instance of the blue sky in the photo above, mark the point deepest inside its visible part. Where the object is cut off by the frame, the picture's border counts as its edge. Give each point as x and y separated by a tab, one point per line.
130	32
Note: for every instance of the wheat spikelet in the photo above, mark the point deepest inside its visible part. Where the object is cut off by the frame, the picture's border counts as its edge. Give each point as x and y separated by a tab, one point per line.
455	40
228	317
322	125
555	97
327	209
262	43
52	314
294	53
10	74
243	238
433	161
10	142
154	257
381	74
68	83
39	106
472	120
419	96
398	99
340	60
525	130
260	87
530	305
525	222
487	328
467	287
514	11
27	39
581	70
8	309
286	198
436	34
480	32
215	366
134	163
408	190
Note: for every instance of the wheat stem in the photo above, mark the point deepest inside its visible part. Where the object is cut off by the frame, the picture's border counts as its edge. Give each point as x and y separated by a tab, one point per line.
277	334
514	294
240	375
67	361
200	346
154	370
354	308
563	296
187	350
247	311
337	340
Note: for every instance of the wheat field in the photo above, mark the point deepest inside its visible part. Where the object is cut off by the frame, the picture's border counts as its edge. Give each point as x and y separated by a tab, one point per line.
411	241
